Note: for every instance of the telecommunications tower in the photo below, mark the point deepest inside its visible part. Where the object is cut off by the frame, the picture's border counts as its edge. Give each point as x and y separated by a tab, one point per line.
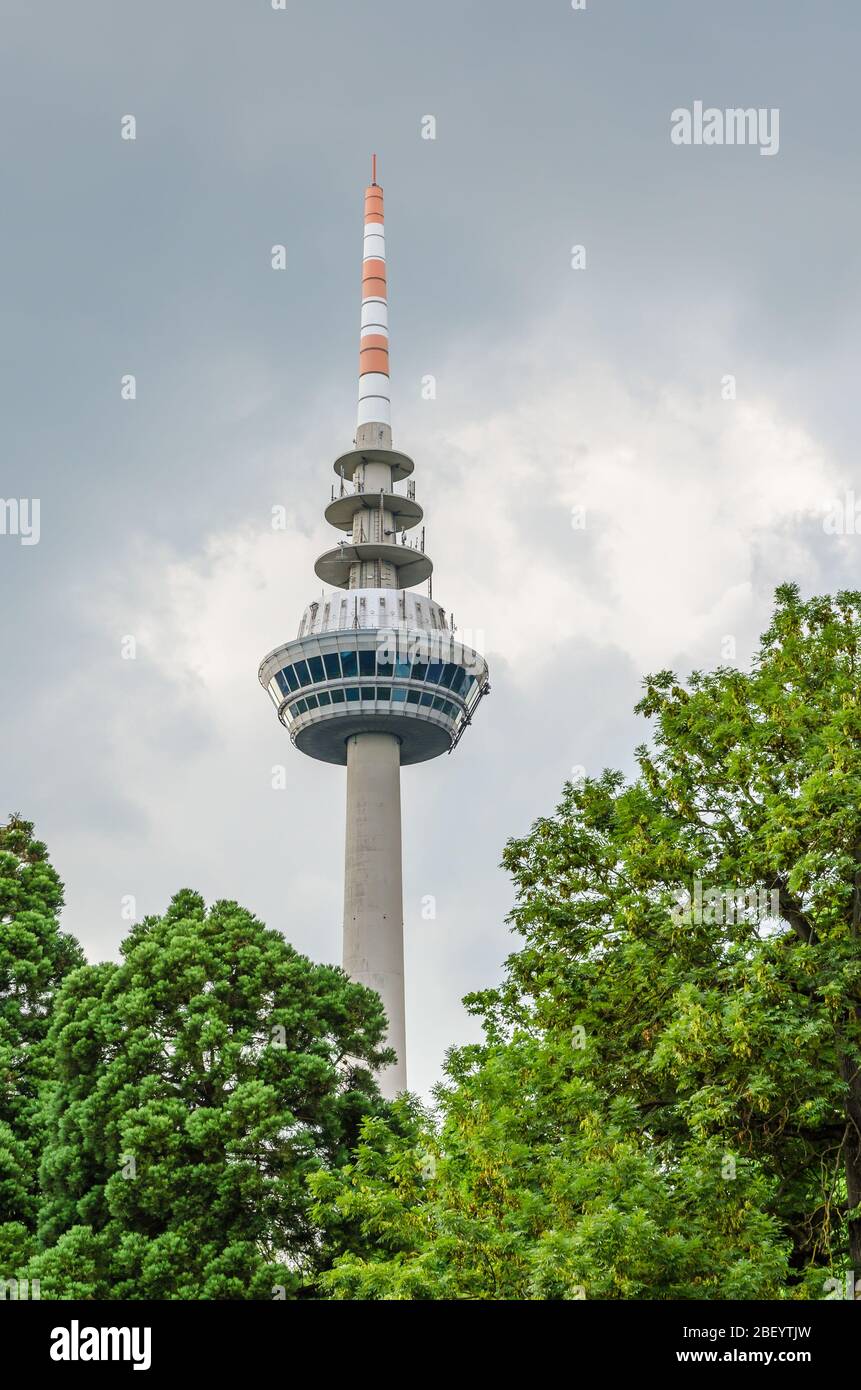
376	678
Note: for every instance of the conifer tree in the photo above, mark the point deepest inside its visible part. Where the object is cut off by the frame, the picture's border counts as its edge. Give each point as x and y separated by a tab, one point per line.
35	955
200	1082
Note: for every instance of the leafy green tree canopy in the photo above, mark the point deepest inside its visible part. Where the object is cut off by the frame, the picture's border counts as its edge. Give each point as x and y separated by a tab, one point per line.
199	1083
667	1103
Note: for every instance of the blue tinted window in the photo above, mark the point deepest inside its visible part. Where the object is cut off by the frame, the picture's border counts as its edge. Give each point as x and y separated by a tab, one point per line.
324	697
448	674
311	702
294	709
439	702
290	677
420	670
399	693
350	663
402	668
413	697
301	706
282	683
384	692
333	666
426	699
303	673
367	663
449	709
337	697
384	668
434	672
459	680
368	692
352	692
315	666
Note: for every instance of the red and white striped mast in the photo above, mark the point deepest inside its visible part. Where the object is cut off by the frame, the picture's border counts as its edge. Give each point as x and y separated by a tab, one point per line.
374	418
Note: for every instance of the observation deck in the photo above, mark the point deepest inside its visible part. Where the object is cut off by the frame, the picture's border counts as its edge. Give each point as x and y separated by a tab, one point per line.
421	686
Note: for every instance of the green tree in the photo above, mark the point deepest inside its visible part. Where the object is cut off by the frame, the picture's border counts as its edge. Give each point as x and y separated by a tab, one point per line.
35	955
668	1099
539	1185
198	1083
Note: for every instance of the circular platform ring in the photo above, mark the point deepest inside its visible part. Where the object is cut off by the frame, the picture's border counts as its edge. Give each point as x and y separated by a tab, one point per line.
400	464
341	511
333	567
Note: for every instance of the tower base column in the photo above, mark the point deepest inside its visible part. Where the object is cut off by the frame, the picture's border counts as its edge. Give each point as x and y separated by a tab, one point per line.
373	892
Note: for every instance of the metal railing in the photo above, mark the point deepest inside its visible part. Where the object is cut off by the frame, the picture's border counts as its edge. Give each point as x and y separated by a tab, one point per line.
355	489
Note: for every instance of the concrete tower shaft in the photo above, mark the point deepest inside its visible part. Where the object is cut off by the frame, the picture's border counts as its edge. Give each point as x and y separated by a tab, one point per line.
373	894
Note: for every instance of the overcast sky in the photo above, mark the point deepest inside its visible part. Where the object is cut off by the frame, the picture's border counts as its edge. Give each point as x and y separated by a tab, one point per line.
601	389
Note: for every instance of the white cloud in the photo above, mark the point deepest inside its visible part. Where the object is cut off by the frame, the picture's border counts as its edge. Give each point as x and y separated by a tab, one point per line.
689	500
